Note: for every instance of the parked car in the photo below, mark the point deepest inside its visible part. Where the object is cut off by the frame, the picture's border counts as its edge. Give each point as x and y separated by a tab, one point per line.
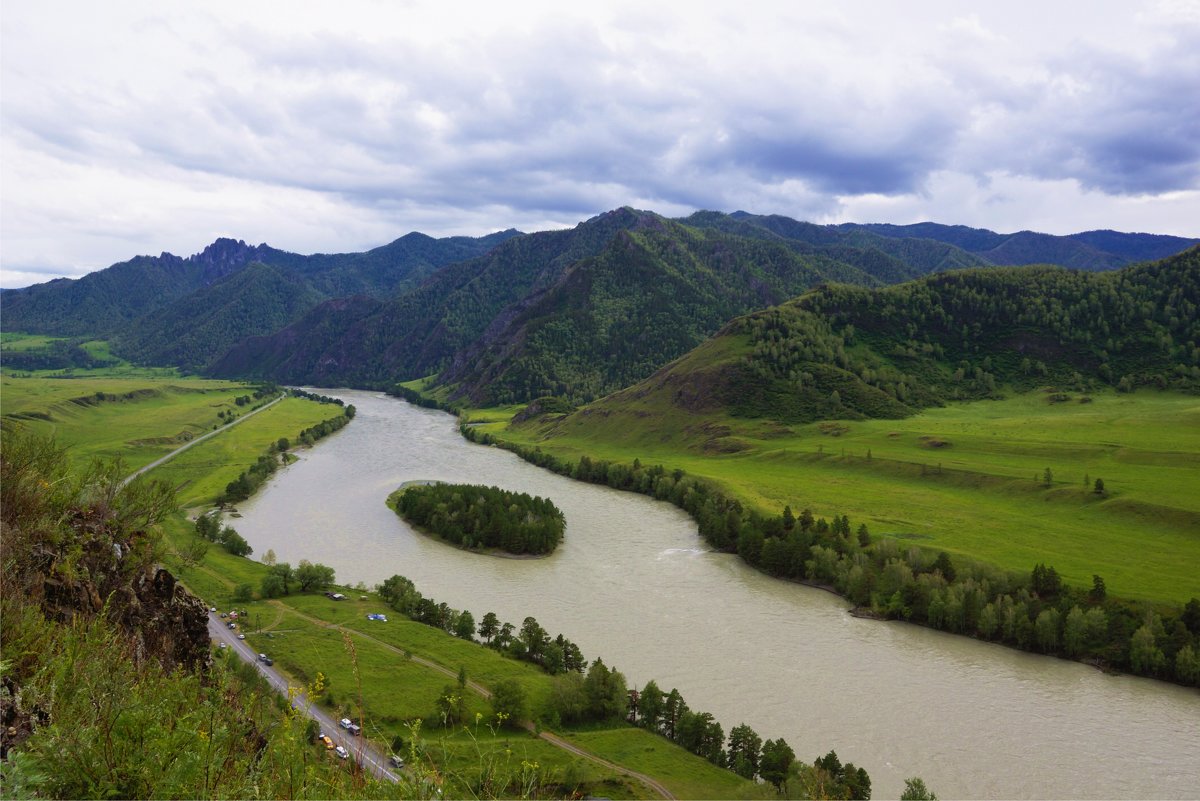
241	636
328	743
266	660
396	761
220	645
341	752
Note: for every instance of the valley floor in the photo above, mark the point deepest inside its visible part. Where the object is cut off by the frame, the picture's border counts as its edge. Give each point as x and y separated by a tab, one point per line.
968	478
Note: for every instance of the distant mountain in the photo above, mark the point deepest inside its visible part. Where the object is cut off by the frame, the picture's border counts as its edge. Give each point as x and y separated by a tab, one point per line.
852	352
186	312
103	302
417	333
890	259
578	312
1090	250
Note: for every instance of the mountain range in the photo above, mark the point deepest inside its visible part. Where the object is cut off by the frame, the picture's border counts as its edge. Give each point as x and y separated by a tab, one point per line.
577	313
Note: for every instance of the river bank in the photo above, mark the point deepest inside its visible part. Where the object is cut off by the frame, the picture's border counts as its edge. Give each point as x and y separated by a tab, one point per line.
634	583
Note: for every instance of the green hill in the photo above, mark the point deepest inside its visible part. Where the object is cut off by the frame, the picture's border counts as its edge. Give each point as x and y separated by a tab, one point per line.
850	352
257	299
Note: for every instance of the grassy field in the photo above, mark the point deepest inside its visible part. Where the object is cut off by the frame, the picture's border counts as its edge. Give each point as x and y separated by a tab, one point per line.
967	478
142	419
20	343
365	677
136	419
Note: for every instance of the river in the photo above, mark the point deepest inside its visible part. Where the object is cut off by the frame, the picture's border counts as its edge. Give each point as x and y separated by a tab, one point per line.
633	583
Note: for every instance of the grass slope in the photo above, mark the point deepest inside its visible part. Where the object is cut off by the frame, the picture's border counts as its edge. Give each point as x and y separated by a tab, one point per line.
973	494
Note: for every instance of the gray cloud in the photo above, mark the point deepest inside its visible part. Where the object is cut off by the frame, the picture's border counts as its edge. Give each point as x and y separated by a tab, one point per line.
562	117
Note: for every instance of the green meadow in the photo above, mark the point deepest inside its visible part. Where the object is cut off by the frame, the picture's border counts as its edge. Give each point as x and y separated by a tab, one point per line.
967	478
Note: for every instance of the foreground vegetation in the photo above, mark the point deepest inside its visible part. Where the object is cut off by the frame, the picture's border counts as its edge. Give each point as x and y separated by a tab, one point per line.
108	688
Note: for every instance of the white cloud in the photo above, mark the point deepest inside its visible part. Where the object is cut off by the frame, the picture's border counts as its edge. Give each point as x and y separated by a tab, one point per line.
134	126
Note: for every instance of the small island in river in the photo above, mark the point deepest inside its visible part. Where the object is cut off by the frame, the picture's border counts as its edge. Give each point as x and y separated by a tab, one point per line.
480	518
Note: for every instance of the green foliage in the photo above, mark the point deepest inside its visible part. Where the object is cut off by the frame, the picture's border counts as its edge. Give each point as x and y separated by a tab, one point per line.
188	311
508	702
884	353
120	699
474	516
248	482
915	790
313	576
532	643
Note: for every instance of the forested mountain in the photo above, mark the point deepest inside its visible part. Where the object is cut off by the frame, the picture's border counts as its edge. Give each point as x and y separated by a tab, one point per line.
1090	250
843	352
105	301
356	341
656	291
579	312
257	299
891	259
110	301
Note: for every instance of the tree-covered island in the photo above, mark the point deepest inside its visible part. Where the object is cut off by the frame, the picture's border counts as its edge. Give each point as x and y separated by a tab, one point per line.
482	518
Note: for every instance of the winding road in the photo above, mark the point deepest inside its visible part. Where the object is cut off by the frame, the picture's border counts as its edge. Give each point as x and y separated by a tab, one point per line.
364	753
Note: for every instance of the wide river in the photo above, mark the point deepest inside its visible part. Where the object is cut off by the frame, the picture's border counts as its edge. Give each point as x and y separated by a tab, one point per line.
633	583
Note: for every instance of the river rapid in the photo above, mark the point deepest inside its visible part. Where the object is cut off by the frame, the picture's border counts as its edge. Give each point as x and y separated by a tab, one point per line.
634	584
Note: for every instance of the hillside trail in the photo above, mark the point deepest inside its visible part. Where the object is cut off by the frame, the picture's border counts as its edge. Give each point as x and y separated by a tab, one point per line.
484	692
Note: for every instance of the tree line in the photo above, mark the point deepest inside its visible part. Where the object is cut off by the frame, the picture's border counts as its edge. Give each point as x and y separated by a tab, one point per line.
596	693
253	477
1027	611
474	516
530	643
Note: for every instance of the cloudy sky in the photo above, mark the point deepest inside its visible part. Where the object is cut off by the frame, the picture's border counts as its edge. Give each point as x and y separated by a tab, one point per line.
139	127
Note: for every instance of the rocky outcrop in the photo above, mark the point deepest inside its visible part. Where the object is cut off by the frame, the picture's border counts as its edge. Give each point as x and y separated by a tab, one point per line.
163	621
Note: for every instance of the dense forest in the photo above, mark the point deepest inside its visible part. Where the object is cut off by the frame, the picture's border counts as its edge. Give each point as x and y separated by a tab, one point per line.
479	517
653	293
849	352
1036	611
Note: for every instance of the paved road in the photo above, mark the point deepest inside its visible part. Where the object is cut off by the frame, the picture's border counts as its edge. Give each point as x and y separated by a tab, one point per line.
364	753
553	739
198	440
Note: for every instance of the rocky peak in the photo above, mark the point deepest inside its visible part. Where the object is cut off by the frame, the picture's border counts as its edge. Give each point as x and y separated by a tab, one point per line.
225	256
